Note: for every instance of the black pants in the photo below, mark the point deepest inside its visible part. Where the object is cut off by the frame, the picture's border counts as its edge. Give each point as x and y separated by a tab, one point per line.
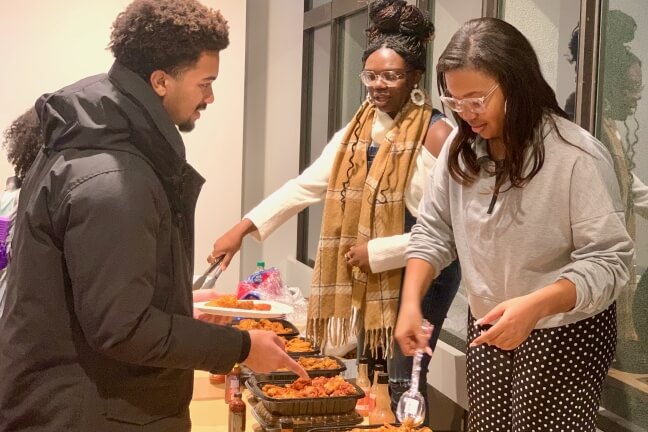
552	382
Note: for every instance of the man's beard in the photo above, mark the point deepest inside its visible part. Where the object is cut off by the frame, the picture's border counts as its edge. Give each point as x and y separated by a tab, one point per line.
189	125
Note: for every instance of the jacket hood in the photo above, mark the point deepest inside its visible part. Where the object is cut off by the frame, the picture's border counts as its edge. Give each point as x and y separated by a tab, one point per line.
120	112
117	111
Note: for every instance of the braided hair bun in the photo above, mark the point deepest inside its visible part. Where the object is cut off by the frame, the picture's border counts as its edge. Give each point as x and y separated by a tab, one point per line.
402	27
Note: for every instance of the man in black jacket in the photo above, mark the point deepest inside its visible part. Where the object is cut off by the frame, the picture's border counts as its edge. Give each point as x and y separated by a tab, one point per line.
97	333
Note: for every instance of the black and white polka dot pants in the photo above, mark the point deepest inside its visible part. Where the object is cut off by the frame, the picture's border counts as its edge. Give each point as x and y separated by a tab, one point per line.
552	382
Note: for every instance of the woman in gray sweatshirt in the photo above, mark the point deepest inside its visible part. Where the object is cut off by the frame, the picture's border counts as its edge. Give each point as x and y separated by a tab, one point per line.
530	204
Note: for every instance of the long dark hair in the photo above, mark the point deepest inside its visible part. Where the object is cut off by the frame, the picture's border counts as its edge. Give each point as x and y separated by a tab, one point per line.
498	49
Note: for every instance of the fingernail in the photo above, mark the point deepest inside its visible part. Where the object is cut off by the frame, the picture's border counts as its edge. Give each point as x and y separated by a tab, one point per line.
477	323
472	345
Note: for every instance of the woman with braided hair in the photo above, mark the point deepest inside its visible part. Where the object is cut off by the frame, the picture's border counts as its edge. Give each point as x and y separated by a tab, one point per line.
371	177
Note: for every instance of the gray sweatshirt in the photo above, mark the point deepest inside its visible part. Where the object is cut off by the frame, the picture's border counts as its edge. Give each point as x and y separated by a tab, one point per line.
567	222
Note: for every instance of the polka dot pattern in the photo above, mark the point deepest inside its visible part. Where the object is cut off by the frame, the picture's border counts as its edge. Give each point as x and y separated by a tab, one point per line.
552	382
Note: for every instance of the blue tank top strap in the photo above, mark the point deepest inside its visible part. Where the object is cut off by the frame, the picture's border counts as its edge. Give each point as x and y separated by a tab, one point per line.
372	151
436	116
410	220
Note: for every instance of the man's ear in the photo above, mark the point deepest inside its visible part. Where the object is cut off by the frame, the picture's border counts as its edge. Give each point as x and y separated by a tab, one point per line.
159	82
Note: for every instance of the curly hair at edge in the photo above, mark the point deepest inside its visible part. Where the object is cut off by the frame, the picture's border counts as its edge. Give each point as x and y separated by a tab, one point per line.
167	35
23	140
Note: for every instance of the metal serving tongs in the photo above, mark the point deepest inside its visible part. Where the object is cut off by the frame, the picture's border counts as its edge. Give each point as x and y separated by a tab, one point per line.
208	279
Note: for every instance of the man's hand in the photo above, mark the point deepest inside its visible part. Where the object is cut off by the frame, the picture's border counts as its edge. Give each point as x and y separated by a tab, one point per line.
205	295
358	256
268	353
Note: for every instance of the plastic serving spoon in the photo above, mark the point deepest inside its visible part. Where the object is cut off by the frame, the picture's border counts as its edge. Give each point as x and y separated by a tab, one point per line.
412	404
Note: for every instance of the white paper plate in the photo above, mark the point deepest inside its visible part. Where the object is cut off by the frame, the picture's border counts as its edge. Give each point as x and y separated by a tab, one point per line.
276	310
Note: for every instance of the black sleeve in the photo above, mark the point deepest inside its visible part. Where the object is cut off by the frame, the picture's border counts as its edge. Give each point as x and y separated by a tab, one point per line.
246	344
111	223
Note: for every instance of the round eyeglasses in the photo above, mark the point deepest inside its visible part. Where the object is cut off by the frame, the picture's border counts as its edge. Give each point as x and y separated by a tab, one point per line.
389	77
473	105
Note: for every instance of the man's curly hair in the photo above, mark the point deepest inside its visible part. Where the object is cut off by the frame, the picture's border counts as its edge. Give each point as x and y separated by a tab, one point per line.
167	35
23	140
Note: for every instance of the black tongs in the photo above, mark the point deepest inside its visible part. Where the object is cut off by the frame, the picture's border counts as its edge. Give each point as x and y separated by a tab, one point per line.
208	279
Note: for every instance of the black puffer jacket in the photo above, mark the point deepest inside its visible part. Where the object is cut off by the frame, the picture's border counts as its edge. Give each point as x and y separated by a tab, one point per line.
97	333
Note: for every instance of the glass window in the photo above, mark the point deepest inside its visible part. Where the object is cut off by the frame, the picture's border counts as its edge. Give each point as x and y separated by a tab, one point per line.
353	41
621	112
317	124
312	4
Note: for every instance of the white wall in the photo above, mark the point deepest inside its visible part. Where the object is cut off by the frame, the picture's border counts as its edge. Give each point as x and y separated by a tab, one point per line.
215	147
272	119
46	45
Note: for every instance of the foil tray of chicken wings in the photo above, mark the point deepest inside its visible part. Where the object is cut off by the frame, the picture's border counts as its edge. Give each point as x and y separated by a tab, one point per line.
281	327
315	365
317	396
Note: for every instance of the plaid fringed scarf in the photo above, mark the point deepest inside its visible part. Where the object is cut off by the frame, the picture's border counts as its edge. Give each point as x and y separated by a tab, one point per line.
372	205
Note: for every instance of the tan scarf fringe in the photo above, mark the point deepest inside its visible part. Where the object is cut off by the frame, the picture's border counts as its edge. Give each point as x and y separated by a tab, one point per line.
336	331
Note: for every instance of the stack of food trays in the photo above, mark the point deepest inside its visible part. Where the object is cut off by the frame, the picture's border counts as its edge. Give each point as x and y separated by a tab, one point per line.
326	400
300	348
